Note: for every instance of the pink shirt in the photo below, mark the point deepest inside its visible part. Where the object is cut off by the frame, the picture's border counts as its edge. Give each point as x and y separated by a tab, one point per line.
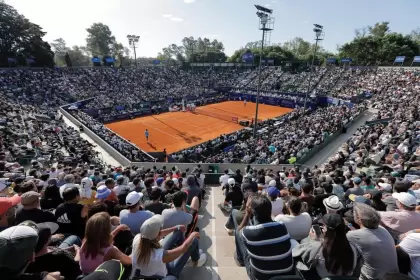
401	220
88	265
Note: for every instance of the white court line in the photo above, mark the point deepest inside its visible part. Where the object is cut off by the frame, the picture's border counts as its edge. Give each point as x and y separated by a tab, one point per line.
178	138
215	268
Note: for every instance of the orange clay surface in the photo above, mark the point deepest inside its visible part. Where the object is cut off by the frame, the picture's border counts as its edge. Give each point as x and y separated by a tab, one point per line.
176	131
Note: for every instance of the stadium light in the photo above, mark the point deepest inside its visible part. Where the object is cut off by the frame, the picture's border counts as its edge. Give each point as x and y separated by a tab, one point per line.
266	25
132	41
319	36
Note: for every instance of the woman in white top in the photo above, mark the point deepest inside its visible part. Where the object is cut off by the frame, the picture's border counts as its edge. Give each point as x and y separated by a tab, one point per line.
155	257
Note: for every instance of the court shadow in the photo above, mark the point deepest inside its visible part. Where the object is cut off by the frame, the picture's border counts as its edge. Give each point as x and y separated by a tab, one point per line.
187	137
151	146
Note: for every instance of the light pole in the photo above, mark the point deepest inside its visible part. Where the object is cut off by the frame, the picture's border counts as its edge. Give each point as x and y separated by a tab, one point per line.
266	25
319	36
132	41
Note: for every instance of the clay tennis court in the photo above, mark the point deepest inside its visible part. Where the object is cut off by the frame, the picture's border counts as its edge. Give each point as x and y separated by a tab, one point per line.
176	131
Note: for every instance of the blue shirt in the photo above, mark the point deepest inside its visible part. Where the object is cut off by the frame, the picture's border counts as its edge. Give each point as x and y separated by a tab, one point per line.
146	133
134	220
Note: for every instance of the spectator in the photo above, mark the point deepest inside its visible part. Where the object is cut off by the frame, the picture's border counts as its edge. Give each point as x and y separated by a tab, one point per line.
297	223
155	257
329	254
223	180
374	243
71	215
97	244
31	212
51	198
192	190
8	207
264	248
155	205
276	202
133	217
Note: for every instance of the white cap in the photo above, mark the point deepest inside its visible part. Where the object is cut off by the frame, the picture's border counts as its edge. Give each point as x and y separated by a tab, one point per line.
405	198
385	186
231	181
133	198
87	183
272	183
151	227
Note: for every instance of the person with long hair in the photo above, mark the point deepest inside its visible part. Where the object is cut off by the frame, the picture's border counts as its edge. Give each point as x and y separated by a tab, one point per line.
328	253
153	256
97	244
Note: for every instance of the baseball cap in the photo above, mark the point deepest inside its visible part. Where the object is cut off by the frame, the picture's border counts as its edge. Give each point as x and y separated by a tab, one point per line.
159	180
395	174
356	180
45	230
151	227
8	202
133	198
272	183
332	220
359	199
29	198
405	198
273	192
102	192
231	182
17	245
376	194
385	186
250	186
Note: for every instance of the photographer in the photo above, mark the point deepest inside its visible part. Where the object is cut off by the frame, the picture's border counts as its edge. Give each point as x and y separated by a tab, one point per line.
327	252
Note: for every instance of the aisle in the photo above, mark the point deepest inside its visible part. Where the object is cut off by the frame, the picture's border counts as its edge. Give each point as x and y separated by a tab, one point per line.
215	241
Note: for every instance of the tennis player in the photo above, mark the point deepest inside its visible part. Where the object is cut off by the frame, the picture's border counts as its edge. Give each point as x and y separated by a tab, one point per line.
146	134
244	102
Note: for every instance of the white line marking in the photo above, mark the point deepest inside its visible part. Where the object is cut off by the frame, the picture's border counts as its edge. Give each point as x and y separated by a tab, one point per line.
215	268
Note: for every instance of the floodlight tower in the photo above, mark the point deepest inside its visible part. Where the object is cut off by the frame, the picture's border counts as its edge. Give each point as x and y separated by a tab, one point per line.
132	41
319	36
266	25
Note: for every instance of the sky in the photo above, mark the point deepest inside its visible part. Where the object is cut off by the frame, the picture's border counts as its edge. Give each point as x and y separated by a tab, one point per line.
234	22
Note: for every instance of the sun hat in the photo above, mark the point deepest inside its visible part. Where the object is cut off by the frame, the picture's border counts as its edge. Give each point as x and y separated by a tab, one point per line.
405	198
133	198
8	202
102	192
17	247
151	227
333	203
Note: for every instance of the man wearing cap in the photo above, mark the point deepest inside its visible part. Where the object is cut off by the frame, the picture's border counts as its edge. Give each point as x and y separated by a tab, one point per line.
276	202
69	182
7	211
133	217
31	209
17	245
357	189
406	219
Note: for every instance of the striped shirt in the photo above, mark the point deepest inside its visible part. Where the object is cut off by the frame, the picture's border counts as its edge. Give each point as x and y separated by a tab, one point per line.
269	248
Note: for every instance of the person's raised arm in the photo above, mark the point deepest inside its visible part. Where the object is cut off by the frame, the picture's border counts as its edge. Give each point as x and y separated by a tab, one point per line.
172	255
116	254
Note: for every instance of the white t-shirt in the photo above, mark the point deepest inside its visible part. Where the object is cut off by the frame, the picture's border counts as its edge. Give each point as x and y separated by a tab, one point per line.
155	265
297	226
411	245
224	179
276	207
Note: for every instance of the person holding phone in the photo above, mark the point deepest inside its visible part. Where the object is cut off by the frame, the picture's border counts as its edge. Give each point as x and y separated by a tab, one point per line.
328	252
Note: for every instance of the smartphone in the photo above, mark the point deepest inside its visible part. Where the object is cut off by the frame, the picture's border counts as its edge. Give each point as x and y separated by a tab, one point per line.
317	230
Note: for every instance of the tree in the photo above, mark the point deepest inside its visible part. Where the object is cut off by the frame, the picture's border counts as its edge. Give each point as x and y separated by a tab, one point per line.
380	29
415	35
21	39
275	52
100	40
60	50
376	50
300	48
361	32
79	57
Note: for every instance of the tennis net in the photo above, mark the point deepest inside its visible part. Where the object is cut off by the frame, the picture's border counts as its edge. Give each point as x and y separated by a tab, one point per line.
228	118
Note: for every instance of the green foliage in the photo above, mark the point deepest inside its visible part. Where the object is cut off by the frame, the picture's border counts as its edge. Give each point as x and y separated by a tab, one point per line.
194	50
21	38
